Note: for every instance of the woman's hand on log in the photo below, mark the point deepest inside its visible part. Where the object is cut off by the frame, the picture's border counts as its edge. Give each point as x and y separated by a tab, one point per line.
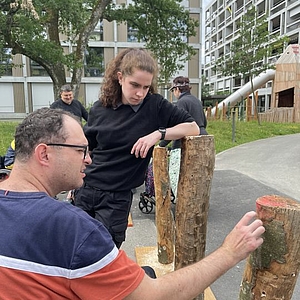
245	237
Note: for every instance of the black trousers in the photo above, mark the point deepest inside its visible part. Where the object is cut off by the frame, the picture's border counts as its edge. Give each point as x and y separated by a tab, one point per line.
110	208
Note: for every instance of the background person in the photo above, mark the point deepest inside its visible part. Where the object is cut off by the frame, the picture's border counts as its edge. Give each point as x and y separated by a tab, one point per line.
123	126
7	161
53	250
9	156
185	100
182	91
68	103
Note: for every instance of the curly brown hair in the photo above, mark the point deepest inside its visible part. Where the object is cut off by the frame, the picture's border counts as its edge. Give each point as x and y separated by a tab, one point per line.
125	62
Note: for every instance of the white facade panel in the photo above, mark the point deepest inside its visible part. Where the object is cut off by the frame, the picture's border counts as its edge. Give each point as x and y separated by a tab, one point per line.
295	11
42	95
7	96
92	93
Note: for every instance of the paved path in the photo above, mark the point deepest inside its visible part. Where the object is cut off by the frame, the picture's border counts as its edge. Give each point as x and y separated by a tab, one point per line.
274	162
242	174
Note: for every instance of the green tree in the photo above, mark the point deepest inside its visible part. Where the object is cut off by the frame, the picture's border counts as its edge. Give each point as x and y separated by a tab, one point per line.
164	26
204	87
34	30
250	49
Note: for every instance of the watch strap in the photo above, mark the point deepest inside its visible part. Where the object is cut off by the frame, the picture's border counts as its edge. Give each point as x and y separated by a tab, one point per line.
163	133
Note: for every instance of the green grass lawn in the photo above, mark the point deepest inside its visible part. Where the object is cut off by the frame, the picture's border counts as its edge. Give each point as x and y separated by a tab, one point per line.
222	130
246	132
7	130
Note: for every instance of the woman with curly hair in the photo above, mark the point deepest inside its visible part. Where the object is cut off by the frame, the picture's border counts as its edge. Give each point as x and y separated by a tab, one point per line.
123	126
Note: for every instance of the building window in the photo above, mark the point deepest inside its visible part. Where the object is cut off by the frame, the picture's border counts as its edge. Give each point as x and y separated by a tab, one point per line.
132	34
237	82
275	24
97	34
94	62
293	39
37	70
6	62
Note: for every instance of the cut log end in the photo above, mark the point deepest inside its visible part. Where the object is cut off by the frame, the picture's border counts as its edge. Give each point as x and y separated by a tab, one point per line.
276	201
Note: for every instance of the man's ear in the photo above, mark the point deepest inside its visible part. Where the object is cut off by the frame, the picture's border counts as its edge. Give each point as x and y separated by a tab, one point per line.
41	153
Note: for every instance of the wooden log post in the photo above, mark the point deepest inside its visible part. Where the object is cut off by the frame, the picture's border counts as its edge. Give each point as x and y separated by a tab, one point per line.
164	217
208	113
224	112
196	172
249	108
256	108
217	110
272	270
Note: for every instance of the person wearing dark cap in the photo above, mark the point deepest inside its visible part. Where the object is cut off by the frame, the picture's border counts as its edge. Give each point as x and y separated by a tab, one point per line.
181	89
68	103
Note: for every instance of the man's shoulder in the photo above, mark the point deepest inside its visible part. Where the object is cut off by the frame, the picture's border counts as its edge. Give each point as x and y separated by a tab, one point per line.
189	98
56	103
76	102
188	95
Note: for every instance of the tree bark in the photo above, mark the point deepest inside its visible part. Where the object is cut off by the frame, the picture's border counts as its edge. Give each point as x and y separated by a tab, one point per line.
272	270
196	172
164	216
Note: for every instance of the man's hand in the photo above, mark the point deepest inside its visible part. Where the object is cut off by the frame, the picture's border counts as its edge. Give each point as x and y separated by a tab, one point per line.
188	282
245	237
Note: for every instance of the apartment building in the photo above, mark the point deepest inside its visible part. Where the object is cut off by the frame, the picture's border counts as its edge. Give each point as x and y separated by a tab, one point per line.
221	19
28	88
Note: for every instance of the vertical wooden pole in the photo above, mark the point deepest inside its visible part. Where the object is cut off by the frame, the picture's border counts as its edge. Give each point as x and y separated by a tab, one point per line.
208	112
164	216
224	112
249	108
233	123
216	111
196	172
271	271
256	106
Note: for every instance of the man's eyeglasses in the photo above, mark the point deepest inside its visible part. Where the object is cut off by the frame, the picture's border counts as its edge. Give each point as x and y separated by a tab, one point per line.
85	148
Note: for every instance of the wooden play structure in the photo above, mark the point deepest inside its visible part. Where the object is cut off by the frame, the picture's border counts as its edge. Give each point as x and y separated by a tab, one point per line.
285	98
286	87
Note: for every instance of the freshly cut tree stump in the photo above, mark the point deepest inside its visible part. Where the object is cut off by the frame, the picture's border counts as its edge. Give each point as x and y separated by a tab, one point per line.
272	270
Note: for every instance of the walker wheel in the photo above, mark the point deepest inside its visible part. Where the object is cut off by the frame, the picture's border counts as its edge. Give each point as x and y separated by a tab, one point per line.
145	205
